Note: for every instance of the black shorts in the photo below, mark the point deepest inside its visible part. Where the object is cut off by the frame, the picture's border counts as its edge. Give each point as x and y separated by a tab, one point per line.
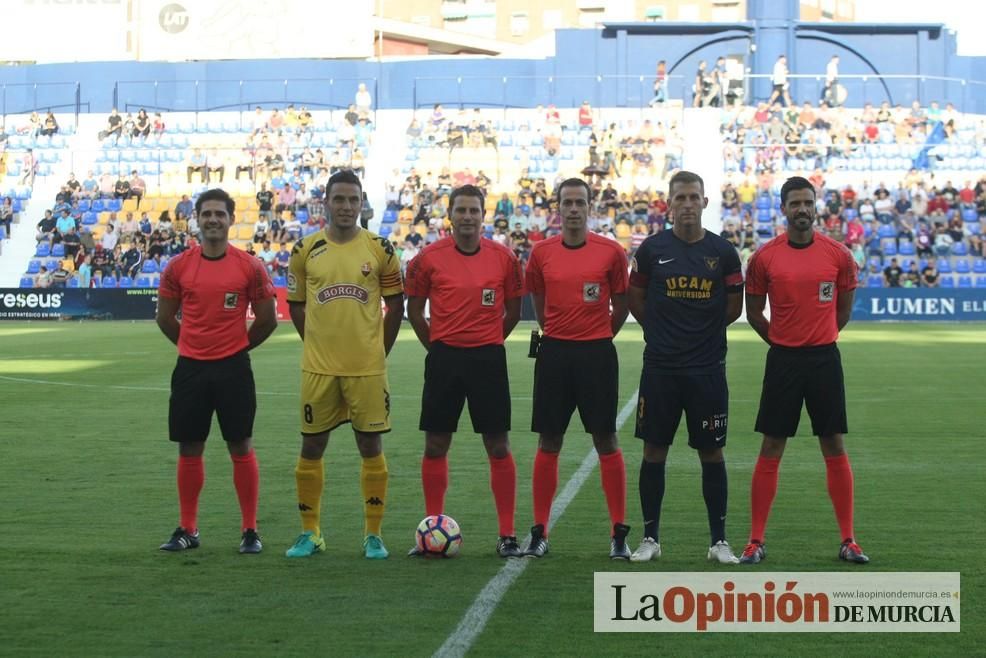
199	388
456	374
702	395
575	374
812	375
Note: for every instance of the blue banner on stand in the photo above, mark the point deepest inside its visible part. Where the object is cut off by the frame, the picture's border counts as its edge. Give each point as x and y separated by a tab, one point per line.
76	304
920	304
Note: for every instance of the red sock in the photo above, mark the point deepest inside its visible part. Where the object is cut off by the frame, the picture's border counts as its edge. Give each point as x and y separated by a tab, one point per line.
763	488
544	483
246	477
840	483
434	481
191	477
503	482
613	473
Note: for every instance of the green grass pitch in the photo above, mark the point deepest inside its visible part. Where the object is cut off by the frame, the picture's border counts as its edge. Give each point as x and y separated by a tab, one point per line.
87	485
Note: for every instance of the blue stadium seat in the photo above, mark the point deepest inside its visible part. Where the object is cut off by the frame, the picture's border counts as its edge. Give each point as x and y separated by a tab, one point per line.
73	282
885	231
981	281
149	267
279	281
126	282
979	266
114	205
163	264
947	282
889	248
142	282
43	250
944	266
33	266
108	282
385	230
851	214
906	248
98	205
962	266
960	249
874	281
84	204
90	218
969	215
3	233
58	250
965	282
27	282
763	202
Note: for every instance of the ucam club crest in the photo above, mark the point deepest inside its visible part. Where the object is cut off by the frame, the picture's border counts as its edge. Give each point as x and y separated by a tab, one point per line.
342	291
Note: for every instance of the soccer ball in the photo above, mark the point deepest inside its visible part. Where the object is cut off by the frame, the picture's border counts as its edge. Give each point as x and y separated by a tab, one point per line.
438	536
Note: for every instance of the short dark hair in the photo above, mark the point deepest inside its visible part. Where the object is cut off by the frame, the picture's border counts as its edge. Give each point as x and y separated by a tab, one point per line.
574	182
343	176
795	183
467	190
684	178
216	194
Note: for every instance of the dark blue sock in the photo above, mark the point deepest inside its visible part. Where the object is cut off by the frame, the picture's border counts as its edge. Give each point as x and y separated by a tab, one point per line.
714	490
651	496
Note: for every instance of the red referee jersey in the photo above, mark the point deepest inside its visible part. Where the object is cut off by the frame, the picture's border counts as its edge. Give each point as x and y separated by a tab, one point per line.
465	292
577	283
214	294
802	285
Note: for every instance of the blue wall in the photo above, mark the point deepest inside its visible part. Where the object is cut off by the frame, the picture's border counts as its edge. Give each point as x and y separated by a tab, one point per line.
613	67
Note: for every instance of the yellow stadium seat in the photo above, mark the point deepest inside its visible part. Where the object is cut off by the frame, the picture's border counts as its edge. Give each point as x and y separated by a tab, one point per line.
130	205
421	230
244	232
68	264
622	230
104	217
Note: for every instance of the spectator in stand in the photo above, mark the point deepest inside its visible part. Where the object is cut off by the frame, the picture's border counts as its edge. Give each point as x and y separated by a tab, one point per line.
157	125
72	243
137	187
164	223
282	259
364	102
185	206
285	198
114	126
585	116
929	275
132	261
196	164
781	90
90	186
63	224
84	272
215	166
46	227
111	238
660	84
121	188
142	125
912	277
265	202
50	126
267	256
43	278
892	274
7	214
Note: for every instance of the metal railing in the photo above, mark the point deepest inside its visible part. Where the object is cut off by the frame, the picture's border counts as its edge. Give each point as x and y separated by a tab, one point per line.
24	98
242	95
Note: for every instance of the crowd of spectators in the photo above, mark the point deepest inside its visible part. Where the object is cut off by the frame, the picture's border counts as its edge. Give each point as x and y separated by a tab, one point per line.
903	235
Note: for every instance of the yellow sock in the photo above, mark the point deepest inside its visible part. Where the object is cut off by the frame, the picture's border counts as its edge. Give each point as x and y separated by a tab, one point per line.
309	476
373	484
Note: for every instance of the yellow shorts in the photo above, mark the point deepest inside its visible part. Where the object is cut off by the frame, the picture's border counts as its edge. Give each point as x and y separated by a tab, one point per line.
328	401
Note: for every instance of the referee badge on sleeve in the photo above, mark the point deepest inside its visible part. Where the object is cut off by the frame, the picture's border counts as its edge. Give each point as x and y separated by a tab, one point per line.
826	291
489	297
230	300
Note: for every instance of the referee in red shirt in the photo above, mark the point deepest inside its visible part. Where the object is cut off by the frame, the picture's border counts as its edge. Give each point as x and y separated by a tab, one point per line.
810	280
573	278
212	285
473	287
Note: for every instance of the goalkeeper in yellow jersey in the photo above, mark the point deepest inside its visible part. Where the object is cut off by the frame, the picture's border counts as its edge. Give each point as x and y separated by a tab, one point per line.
336	280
